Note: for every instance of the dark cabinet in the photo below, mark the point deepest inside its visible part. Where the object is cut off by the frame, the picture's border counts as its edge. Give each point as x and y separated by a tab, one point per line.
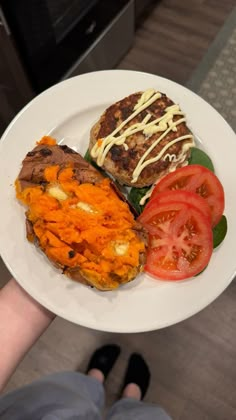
107	37
30	62
15	90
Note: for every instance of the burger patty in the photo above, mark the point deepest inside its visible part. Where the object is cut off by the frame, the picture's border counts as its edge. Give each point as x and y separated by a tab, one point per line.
121	161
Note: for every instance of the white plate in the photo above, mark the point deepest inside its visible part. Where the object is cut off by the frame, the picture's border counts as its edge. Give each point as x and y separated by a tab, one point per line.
67	111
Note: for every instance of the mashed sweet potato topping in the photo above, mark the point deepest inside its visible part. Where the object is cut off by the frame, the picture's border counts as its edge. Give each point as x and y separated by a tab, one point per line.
82	225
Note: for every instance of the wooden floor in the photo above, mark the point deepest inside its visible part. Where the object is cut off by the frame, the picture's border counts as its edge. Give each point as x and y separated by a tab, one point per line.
172	40
193	363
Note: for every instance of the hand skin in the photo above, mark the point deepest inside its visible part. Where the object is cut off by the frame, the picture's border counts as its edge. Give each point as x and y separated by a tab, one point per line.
22	321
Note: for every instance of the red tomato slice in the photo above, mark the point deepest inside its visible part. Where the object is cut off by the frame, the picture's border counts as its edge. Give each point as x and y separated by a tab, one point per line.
197	179
180	240
183	197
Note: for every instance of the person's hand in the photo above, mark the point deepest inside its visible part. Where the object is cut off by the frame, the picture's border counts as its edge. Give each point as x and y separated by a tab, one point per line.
22	321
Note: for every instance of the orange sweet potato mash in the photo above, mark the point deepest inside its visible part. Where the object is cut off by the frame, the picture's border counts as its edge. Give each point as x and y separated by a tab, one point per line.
84	228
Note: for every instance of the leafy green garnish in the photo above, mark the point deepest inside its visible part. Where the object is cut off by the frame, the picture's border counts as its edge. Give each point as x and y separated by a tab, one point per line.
198	157
135	196
89	159
219	231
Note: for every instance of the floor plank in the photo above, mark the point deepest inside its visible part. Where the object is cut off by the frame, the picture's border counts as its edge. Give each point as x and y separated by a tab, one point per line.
175	36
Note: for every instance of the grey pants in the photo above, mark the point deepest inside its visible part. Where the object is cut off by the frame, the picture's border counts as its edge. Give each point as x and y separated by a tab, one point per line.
71	396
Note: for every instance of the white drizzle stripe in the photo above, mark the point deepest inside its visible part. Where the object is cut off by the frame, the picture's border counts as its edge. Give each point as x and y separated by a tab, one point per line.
149	161
144	98
147	195
177	161
140	109
137	170
164	123
146	118
110	141
98	150
163	120
172	158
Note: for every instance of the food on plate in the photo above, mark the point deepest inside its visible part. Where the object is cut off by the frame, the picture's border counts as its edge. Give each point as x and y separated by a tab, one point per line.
144	142
180	240
179	217
220	231
199	180
141	138
199	157
77	218
84	224
139	197
181	196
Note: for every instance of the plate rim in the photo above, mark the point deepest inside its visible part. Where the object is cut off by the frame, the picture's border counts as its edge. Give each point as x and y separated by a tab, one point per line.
31	291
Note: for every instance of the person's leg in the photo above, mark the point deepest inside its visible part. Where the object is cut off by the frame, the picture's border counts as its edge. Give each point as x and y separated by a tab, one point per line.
132	409
66	395
130	406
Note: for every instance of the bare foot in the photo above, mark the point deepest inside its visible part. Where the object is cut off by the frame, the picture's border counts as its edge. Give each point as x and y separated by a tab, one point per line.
132	391
97	374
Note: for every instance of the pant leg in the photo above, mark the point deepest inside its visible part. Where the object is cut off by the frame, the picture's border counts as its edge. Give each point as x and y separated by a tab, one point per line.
131	409
61	396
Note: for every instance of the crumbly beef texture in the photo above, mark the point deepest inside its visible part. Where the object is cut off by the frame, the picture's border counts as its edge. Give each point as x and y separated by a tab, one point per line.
121	163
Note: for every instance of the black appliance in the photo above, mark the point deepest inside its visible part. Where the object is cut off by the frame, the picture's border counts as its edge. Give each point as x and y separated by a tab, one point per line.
56	39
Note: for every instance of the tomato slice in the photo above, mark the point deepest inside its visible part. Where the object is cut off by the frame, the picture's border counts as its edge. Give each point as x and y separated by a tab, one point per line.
180	240
183	197
197	179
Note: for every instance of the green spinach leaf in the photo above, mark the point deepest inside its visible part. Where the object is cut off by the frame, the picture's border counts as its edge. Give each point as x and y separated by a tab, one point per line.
219	231
89	159
198	157
87	156
135	196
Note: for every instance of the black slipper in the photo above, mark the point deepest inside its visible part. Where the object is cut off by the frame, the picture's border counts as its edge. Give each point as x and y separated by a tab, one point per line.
104	358
137	373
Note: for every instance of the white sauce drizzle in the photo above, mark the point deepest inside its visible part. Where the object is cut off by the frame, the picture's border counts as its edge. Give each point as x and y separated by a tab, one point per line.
147	195
163	124
142	164
177	162
99	152
144	98
172	158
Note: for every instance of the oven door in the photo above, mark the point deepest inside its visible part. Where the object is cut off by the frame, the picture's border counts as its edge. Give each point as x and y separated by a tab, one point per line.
57	38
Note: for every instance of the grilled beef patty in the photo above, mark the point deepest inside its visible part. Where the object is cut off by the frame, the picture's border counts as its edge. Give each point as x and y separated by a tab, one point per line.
120	162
